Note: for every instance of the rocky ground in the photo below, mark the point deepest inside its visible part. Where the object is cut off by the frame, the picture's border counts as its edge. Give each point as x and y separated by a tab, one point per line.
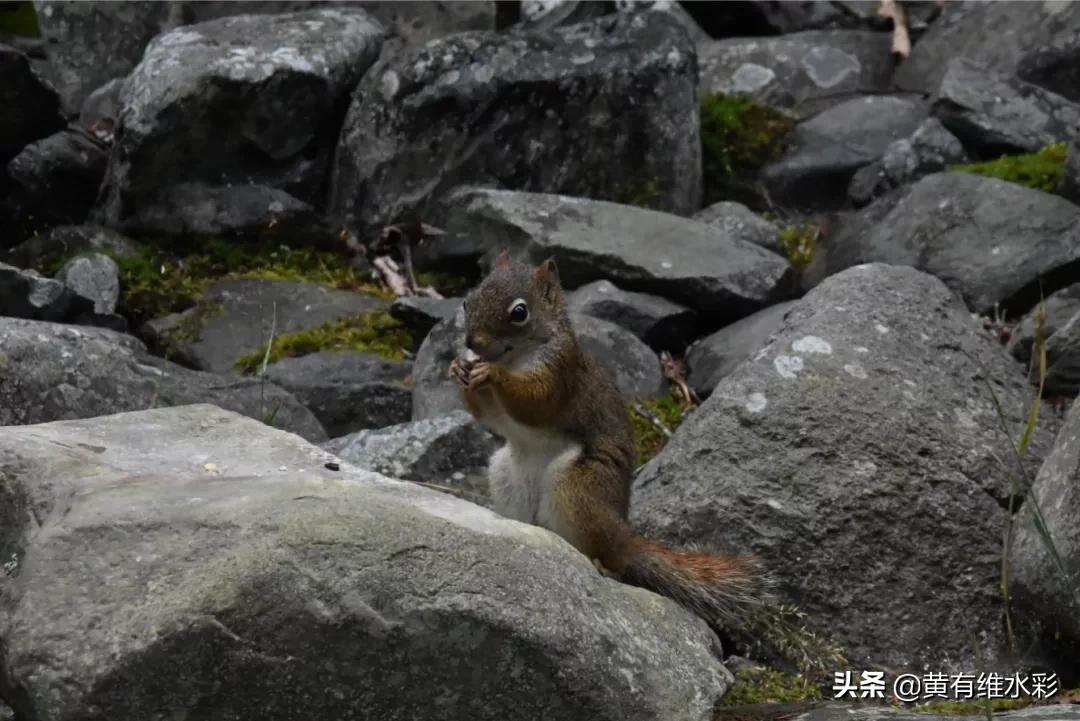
235	481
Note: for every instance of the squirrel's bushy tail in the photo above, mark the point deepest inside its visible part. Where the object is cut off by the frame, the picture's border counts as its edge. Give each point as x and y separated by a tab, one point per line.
719	588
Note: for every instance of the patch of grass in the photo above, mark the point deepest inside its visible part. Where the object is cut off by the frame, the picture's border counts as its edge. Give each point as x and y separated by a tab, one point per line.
642	193
764	685
374	332
648	439
800	243
155	283
447	284
738	136
971	708
1041	170
780	629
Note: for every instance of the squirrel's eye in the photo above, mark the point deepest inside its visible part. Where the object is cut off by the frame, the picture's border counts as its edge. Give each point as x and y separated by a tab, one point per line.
519	312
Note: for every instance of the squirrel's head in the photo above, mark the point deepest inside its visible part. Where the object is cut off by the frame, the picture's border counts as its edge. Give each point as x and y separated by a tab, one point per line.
514	311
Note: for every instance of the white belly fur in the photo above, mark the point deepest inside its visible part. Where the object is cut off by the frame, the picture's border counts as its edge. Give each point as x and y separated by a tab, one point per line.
523	472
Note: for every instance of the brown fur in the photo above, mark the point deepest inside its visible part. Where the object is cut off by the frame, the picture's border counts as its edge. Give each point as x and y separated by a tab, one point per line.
570	393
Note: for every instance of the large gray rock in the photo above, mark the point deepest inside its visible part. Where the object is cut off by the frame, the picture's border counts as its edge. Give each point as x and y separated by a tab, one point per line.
738	221
808	70
661	324
240	100
599	110
93	276
57	178
995	114
347	390
451	450
930	149
696	264
189	556
1069	187
997	35
420	314
53	372
1046	595
715	356
1061	342
27	294
823	153
236	317
248	211
31	106
860	454
634	366
988	239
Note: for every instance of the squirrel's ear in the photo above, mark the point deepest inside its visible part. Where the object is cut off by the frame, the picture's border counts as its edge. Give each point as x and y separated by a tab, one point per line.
547	278
503	260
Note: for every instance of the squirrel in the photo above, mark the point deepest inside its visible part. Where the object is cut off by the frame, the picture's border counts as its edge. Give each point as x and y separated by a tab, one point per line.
567	463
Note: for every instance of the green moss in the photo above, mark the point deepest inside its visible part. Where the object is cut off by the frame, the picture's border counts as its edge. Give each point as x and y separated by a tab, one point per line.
800	243
971	708
19	18
642	193
648	439
1041	170
190	327
447	284
738	136
764	685
374	332
155	283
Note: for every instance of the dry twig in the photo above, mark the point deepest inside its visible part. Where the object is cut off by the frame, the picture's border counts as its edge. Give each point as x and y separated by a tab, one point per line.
894	10
675	370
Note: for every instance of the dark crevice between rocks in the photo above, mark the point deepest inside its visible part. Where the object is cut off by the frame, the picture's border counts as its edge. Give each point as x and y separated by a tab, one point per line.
1029	296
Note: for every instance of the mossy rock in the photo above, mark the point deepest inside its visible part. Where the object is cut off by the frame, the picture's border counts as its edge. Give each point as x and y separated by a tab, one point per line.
376	332
738	136
1041	170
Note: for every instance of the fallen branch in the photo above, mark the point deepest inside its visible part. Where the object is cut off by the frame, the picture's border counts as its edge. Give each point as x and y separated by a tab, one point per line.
675	370
894	10
652	418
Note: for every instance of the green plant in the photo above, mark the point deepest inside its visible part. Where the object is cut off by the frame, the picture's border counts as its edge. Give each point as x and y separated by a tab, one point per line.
374	332
765	685
738	136
1041	170
642	193
653	421
971	708
800	243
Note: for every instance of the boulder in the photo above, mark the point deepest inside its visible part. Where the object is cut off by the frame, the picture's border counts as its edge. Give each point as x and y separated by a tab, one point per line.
551	14
1061	342
102	105
190	556
93	276
997	114
57	178
1044	564
841	711
823	153
809	70
738	221
27	294
420	314
988	239
418	23
661	324
606	109
31	106
451	450
698	265
930	149
860	455
434	394
64	241
347	390
1059	307
997	36
236	317
245	100
53	372
236	211
715	356
1069	187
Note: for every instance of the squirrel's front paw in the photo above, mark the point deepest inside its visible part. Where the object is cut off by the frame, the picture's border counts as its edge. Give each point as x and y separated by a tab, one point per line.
479	374
459	371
